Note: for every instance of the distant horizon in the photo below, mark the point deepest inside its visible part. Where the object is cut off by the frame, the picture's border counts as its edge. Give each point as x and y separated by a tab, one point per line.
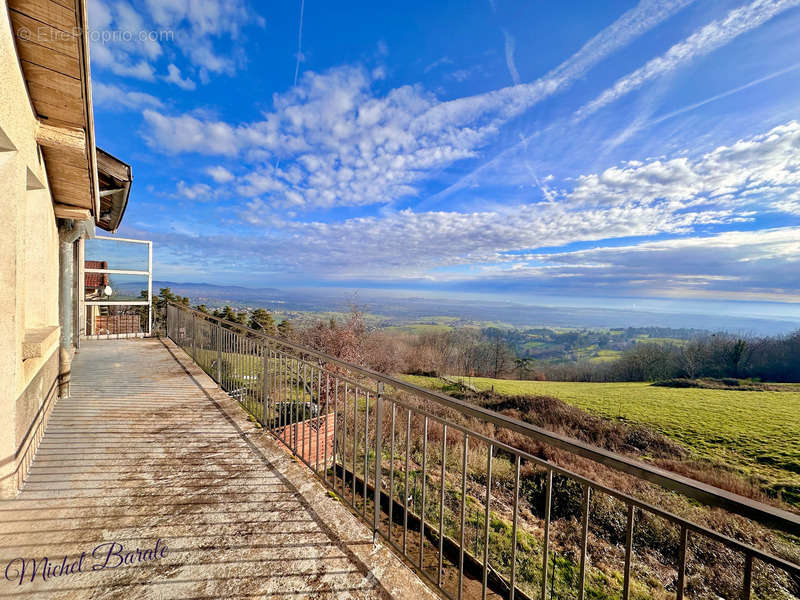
659	309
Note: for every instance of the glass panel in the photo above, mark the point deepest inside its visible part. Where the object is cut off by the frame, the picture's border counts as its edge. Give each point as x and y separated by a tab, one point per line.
116	320
114	254
108	287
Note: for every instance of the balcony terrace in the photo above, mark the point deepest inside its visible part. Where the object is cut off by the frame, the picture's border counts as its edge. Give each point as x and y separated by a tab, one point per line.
148	449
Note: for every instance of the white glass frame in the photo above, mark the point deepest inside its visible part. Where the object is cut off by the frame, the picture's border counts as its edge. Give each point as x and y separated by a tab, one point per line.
148	302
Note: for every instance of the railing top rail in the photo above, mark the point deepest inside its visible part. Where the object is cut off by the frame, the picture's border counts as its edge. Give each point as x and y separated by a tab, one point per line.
765	514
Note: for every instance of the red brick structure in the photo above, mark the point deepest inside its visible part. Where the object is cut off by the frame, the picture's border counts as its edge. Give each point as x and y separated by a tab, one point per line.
306	438
95	282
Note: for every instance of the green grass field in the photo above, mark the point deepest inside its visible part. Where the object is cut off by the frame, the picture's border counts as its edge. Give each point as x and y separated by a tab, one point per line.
755	433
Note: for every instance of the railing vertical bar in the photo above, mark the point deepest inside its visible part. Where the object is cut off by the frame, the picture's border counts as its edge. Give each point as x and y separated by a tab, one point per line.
275	391
319	415
311	455
422	507
355	440
405	493
226	375
305	457
258	394
218	337
232	360
224	347
626	583
271	385
366	452
327	433
287	404
548	505
235	369
308	407
266	352
242	373
249	370
587	496
747	587
194	337
288	398
378	459
343	439
514	524
684	542
441	504
338	438
295	404
301	406
249	354
463	516
246	373
244	396
280	400
486	522
391	472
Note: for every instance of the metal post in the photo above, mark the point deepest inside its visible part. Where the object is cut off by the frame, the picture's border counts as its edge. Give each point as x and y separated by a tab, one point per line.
626	583
587	496
548	504
219	353
378	431
150	289
747	589
682	563
486	522
441	504
266	382
517	464
194	337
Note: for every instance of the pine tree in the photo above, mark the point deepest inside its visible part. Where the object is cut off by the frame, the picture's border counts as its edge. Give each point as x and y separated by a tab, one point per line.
262	320
285	329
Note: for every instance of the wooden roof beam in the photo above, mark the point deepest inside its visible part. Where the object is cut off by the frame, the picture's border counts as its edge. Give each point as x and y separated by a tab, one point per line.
64	211
70	139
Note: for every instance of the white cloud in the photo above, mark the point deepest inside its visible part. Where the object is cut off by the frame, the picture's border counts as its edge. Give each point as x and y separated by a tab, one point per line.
677	196
189	134
113	97
760	169
744	265
220	174
174	76
121	64
129	41
728	185
705	40
352	147
510	44
198	191
445	60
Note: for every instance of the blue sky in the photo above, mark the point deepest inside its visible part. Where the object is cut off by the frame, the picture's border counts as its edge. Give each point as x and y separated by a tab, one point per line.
590	150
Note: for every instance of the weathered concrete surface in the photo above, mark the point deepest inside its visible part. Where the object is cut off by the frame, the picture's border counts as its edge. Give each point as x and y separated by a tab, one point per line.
146	449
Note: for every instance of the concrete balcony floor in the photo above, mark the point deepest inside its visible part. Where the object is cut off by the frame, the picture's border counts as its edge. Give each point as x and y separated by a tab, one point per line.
147	449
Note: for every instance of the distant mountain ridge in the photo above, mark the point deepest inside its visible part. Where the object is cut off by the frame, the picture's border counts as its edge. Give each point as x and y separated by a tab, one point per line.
404	306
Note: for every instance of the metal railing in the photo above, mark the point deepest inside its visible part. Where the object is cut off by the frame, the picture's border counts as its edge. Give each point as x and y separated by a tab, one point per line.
456	488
